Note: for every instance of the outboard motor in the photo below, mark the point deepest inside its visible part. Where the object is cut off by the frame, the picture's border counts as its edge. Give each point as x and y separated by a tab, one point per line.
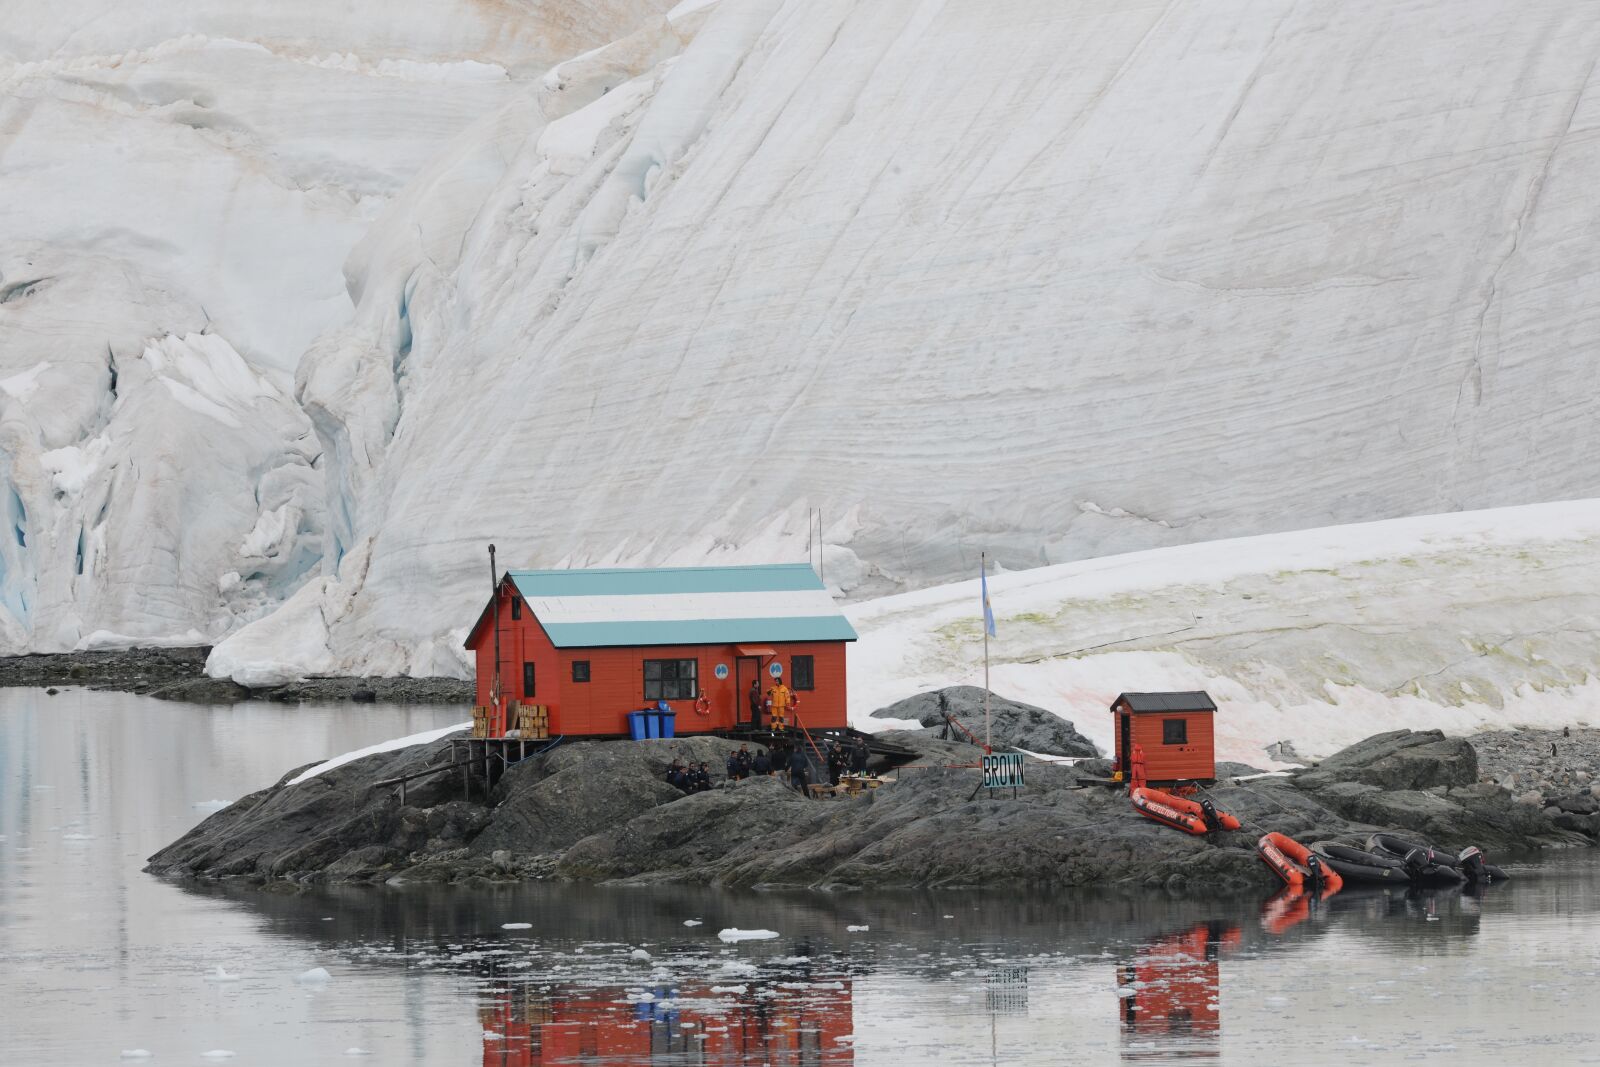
1472	864
1208	812
1314	868
1416	862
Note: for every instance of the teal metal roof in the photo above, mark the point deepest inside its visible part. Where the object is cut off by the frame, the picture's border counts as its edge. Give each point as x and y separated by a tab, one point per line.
616	606
699	632
647	581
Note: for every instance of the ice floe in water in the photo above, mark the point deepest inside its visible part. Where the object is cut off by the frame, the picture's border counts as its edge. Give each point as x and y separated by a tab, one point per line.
638	954
137	1054
219	1054
516	926
315	976
686	922
733	933
858	929
220	975
356	1050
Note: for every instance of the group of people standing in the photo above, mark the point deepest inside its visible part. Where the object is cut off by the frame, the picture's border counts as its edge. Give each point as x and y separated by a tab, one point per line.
694	778
787	760
846	756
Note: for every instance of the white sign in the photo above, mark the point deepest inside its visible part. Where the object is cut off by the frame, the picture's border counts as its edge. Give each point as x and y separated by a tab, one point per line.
776	670
1003	771
720	670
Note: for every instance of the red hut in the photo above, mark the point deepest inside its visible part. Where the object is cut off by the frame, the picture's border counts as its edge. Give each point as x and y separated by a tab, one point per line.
591	646
1175	730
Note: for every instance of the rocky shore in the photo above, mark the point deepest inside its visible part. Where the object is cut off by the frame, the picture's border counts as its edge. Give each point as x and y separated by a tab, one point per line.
179	674
601	812
1556	770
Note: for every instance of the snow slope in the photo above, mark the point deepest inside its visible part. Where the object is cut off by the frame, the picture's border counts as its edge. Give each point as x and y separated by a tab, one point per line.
1462	622
1319	637
1055	278
191	176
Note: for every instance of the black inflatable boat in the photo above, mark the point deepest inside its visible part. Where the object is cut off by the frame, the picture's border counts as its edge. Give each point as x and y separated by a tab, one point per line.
1356	865
1430	866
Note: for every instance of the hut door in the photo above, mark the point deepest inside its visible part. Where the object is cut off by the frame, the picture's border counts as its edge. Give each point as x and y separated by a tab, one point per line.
1125	746
745	669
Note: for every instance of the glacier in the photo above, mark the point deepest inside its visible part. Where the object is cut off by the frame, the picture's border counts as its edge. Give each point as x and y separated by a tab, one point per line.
1053	280
1050	280
182	185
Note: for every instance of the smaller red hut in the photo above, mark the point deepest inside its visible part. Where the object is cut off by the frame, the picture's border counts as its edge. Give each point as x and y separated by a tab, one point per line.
587	647
1175	730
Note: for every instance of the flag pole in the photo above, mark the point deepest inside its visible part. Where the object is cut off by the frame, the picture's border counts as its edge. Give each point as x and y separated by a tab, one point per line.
983	570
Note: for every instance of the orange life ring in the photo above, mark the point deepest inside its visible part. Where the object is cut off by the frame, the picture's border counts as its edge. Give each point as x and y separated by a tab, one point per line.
702	705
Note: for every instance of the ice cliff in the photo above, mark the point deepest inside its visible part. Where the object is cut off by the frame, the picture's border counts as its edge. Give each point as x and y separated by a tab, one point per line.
1054	279
180	185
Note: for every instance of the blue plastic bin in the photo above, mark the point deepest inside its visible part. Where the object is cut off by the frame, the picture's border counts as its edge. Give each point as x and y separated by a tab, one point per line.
638	725
666	724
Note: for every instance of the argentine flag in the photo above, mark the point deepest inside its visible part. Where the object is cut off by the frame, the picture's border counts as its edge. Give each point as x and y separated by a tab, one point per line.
988	611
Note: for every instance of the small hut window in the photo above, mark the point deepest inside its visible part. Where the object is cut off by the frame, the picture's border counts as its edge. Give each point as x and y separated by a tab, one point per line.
1174	731
516	607
670	679
580	670
527	679
802	672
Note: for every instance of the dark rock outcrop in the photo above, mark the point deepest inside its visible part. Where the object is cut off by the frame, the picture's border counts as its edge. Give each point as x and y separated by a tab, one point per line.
1426	783
1399	760
179	674
547	804
1012	724
601	811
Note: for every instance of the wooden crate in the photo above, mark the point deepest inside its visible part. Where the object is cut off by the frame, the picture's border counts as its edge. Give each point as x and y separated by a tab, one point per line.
480	722
533	720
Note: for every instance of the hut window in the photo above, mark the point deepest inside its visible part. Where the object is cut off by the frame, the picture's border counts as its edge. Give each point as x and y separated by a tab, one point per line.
527	679
1174	731
802	672
580	670
670	679
516	607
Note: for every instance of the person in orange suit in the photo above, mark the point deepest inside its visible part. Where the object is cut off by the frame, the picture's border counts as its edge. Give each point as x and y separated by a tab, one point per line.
1136	771
780	698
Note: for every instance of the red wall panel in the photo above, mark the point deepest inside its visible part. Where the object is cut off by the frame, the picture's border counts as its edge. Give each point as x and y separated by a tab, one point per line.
1164	762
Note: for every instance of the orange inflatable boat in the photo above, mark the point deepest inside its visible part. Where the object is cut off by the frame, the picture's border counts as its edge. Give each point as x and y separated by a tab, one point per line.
1179	813
1298	866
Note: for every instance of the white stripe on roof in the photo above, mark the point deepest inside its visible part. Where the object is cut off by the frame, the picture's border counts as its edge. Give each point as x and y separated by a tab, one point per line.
680	607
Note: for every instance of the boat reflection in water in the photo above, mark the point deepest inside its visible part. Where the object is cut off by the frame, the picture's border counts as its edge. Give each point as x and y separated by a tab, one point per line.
806	1022
1169	991
1301	914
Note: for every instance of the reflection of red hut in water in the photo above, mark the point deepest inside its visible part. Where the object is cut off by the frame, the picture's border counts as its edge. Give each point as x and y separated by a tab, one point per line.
1170	992
704	1024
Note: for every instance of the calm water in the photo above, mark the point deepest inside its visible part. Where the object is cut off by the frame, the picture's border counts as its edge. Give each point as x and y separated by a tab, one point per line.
96	958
